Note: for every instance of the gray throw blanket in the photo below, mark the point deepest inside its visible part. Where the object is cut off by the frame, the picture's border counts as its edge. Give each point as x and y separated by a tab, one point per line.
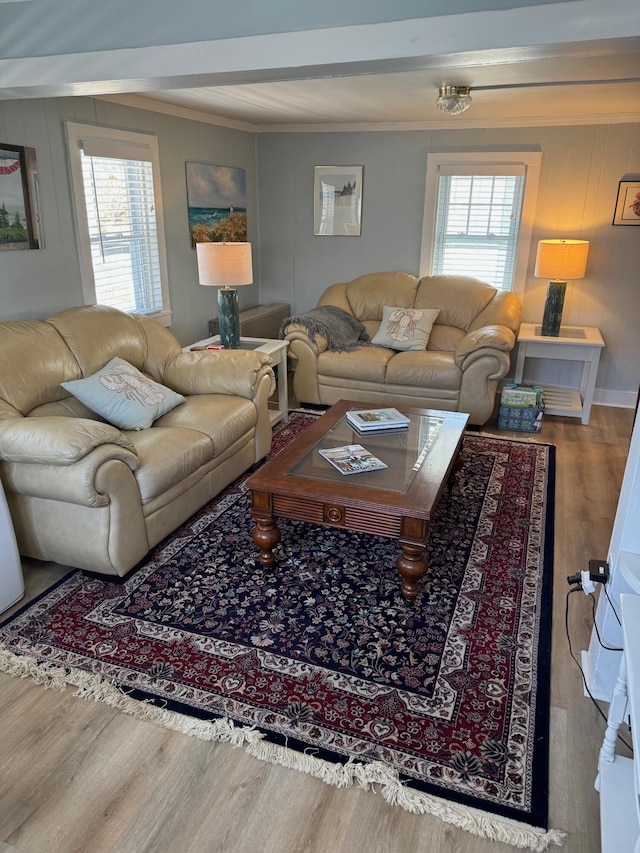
343	332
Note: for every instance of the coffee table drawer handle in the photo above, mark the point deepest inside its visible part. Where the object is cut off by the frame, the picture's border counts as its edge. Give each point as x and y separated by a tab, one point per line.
333	514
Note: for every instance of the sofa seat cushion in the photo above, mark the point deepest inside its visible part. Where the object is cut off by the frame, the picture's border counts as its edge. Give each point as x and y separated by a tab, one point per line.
167	457
424	369
367	364
222	418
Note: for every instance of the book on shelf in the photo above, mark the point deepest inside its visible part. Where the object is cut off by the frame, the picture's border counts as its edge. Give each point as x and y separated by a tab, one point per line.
367	420
352	459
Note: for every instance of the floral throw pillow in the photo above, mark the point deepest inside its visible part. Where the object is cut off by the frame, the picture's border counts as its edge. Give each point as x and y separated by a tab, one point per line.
405	328
123	396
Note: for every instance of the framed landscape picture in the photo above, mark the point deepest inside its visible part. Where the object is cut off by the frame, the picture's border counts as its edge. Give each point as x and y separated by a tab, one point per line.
337	200
217	203
628	204
17	226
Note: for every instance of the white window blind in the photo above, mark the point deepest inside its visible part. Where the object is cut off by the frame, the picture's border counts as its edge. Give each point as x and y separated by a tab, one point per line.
122	231
119	228
479	210
477	226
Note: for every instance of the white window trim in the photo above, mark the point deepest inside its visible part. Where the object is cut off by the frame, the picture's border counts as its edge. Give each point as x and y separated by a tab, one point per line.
142	146
438	163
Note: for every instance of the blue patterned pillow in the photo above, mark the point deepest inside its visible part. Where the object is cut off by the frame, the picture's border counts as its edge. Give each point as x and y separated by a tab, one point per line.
123	396
405	328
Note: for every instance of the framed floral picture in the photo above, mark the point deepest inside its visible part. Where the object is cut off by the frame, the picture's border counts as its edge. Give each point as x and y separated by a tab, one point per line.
628	204
337	197
18	177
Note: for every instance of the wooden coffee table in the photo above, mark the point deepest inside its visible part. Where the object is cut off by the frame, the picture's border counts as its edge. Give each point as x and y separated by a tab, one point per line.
397	502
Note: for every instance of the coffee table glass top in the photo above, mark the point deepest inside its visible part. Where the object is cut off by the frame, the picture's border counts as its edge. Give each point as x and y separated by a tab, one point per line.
404	451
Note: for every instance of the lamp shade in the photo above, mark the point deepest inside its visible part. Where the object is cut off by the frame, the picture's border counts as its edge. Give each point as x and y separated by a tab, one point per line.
224	264
561	260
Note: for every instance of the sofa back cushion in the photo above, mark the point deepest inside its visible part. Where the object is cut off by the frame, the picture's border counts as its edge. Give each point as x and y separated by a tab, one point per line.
34	360
97	333
368	294
459	298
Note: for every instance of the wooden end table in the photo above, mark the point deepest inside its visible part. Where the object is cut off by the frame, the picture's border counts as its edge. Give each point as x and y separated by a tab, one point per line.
397	502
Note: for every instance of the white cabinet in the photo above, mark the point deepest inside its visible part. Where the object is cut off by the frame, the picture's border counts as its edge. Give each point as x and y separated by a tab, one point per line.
11	582
618	777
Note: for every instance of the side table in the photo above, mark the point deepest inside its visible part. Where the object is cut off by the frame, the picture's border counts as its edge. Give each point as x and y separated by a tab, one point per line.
575	343
278	351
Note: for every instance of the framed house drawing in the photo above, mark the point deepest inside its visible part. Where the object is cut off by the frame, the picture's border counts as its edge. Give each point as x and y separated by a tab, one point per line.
337	200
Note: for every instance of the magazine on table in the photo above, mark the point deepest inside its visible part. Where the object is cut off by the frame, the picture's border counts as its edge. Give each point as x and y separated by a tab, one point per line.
369	420
352	459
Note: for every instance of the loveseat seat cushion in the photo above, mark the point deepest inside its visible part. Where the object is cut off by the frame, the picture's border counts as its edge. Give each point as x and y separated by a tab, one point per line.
424	370
167	457
223	419
367	364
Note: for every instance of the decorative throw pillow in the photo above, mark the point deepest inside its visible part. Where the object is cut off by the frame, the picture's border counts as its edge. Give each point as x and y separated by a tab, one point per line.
123	396
405	328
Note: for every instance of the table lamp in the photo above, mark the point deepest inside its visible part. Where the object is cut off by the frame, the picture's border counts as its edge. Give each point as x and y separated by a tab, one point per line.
559	260
226	266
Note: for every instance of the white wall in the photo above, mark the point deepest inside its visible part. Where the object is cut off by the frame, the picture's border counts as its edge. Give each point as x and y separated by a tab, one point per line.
34	284
581	168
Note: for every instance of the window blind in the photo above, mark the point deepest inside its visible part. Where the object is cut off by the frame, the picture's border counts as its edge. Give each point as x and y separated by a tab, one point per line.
123	234
477	223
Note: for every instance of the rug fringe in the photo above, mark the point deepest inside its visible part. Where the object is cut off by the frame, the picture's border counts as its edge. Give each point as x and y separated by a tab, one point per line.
376	773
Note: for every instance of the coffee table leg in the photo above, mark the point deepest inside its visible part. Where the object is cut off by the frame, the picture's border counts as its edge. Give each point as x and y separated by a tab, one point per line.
266	535
412	565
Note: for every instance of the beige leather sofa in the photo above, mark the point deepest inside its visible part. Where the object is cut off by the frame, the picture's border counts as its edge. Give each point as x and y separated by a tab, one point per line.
82	492
468	351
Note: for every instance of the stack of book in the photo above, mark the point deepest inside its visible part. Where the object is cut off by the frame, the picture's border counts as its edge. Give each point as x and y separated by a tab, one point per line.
372	420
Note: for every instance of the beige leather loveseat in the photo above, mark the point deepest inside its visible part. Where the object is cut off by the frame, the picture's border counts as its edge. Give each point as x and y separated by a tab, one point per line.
468	350
85	493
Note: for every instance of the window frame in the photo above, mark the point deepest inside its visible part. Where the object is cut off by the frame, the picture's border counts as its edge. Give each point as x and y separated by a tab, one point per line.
483	161
118	144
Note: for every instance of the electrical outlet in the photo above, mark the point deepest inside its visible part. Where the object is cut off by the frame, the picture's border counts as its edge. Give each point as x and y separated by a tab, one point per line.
599	571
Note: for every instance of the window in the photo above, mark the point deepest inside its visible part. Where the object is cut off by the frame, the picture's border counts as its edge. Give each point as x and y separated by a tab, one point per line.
116	188
478	214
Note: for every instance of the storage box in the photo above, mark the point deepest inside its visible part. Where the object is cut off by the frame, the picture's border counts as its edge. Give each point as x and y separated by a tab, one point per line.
521	395
520	418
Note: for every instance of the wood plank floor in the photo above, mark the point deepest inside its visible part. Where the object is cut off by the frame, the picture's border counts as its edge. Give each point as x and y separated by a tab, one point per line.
76	776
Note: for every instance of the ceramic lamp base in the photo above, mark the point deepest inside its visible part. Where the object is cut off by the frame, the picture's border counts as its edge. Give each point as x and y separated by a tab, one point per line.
553	306
228	317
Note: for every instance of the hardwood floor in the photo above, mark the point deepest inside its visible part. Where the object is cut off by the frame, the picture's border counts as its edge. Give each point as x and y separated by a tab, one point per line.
77	776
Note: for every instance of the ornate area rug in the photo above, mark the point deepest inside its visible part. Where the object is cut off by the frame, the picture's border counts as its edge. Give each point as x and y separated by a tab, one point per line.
319	664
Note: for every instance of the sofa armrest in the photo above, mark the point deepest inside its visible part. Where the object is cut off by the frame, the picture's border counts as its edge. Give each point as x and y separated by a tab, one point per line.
235	372
57	441
295	332
481	341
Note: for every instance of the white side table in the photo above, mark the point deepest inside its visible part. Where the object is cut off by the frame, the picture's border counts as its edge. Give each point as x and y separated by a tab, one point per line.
278	351
11	580
575	343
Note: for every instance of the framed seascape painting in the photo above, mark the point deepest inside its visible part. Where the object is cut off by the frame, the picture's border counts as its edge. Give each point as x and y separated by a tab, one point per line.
627	204
337	200
217	203
18	176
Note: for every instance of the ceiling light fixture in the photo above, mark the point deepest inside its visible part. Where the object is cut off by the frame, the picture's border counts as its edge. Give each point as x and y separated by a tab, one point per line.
453	100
